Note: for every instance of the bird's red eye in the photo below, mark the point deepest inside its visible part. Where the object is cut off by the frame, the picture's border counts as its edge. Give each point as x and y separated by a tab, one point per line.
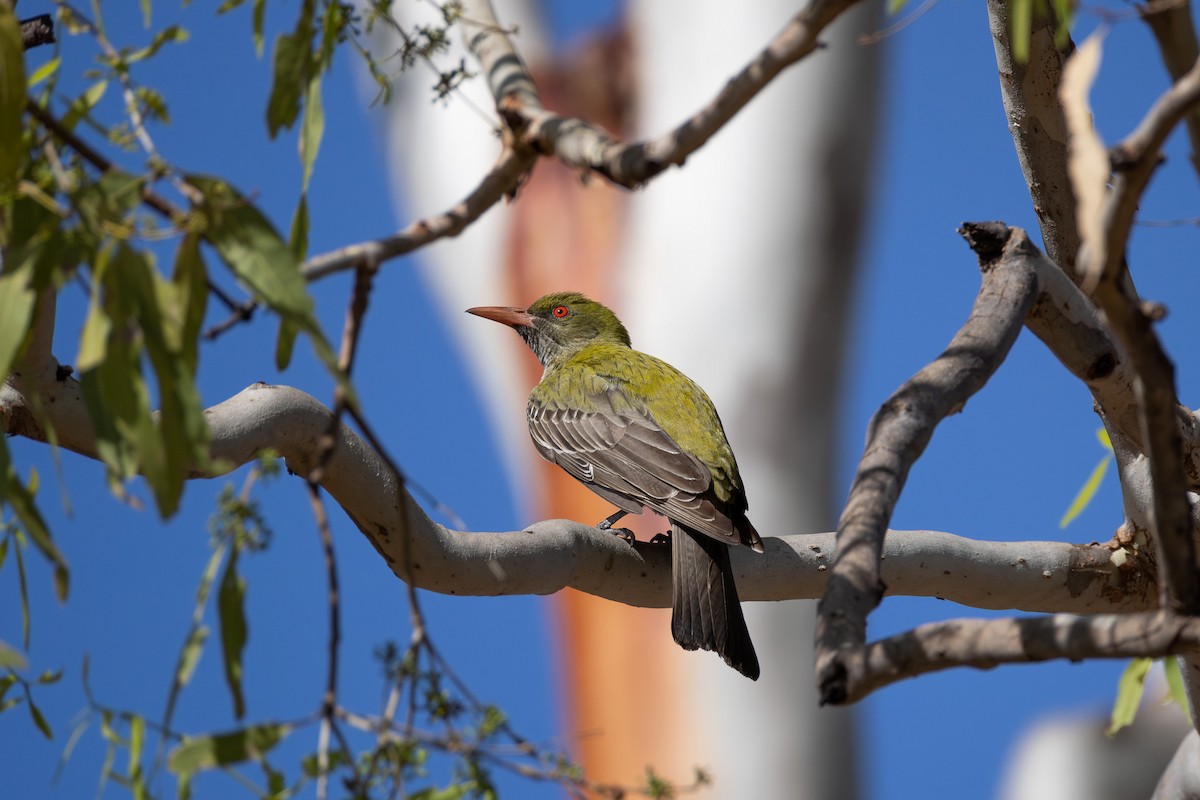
561	311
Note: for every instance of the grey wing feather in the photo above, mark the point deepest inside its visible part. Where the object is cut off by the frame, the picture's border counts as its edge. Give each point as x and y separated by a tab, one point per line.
631	462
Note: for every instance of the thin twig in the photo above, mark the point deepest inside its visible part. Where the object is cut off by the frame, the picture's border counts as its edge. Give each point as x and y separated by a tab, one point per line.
329	698
582	145
504	179
151	198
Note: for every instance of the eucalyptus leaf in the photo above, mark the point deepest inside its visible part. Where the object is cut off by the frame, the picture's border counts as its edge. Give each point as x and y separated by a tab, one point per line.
200	753
1129	694
231	602
12	96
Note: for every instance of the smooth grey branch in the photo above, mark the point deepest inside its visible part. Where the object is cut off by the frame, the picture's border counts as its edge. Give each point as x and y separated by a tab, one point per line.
899	432
551	555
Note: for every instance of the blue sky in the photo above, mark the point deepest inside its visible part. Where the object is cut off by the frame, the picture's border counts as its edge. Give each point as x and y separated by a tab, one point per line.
1006	468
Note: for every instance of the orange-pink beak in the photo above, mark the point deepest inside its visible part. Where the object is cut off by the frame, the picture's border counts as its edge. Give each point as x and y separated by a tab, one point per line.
513	317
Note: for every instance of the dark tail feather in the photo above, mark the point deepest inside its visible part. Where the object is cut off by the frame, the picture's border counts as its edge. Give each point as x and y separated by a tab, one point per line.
705	612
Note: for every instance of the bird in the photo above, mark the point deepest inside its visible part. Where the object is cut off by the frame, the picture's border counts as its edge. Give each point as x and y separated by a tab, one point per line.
641	434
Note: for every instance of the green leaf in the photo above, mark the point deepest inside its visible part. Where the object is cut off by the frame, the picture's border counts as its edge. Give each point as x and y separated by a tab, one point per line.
50	676
1020	20
11	659
191	281
12	96
298	237
260	8
84	103
1086	494
172	33
108	203
44	72
38	719
1175	689
206	752
894	7
1129	694
137	737
189	656
250	246
291	67
312	130
231	601
254	251
93	341
7	681
21	500
18	299
1102	436
182	432
23	590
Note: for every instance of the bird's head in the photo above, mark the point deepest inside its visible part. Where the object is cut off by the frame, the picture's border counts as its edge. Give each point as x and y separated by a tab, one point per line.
559	325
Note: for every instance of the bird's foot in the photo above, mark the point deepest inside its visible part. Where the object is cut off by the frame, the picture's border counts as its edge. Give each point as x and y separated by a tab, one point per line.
661	538
611	520
623	533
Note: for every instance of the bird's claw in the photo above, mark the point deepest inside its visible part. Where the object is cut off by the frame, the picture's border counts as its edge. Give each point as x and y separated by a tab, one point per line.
660	538
623	533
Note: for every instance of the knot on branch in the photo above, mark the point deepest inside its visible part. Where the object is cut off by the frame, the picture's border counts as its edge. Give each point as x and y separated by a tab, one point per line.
987	239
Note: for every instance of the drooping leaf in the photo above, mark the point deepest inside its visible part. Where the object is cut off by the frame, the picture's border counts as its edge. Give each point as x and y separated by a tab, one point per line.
1020	20
1086	494
12	96
20	499
84	103
182	432
250	246
298	237
1129	694
11	659
137	737
206	752
38	719
93	341
260	9
191	280
231	600
291	70
312	130
18	300
1175	689
169	34
45	71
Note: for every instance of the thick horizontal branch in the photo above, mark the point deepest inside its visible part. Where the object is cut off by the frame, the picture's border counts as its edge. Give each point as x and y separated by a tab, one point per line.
558	554
901	429
583	146
984	644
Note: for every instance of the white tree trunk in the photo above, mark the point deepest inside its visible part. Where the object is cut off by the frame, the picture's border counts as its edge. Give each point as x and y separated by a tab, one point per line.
739	271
